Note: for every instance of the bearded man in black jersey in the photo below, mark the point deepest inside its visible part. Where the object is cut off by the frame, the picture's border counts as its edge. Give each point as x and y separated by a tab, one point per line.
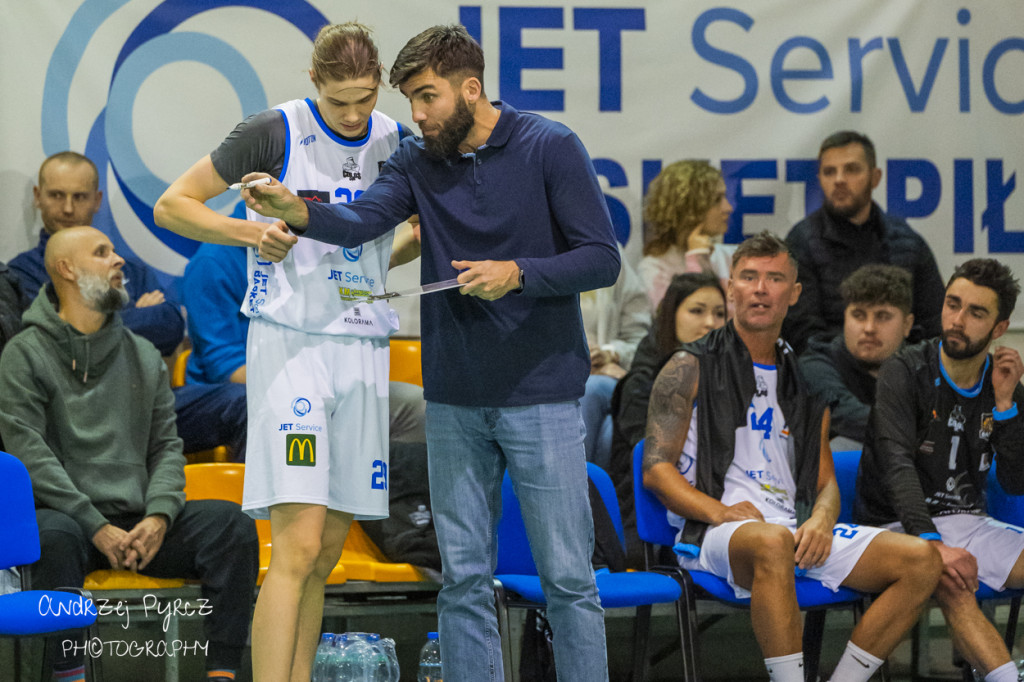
944	412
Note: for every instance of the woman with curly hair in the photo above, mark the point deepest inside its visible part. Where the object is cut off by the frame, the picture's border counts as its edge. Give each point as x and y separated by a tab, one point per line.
687	212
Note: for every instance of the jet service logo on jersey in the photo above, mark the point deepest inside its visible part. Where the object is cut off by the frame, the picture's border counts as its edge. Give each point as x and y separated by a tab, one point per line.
301	407
352	255
308	140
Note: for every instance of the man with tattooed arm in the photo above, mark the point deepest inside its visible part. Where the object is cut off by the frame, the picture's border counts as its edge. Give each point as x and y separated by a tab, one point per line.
737	450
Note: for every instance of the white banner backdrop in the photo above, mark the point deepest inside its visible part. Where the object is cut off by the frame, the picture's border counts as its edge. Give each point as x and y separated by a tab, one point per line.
146	87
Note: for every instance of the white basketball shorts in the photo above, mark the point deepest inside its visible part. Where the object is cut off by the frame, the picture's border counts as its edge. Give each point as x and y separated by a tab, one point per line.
848	544
318	421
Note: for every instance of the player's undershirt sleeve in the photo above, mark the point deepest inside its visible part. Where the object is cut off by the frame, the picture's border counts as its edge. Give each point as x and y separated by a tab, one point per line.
257	144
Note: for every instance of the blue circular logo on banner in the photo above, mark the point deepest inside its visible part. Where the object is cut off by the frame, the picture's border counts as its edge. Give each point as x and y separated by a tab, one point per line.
153	43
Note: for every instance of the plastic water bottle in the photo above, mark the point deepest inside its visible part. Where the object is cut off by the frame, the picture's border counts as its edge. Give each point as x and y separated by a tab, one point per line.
335	658
379	669
430	660
355	662
323	651
394	672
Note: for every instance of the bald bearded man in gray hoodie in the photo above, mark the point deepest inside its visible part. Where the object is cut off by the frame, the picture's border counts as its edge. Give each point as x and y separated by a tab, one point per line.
87	406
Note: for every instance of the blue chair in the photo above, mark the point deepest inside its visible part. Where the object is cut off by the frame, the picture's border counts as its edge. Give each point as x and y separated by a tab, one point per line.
1009	509
516	584
813	597
846	463
34	612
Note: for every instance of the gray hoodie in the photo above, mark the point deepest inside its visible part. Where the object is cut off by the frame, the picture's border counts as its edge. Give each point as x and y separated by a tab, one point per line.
92	417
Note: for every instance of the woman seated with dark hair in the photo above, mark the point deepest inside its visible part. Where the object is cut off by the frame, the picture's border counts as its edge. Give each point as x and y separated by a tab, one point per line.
693	305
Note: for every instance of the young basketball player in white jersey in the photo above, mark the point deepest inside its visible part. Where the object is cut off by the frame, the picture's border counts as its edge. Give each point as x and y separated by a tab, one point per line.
755	482
317	358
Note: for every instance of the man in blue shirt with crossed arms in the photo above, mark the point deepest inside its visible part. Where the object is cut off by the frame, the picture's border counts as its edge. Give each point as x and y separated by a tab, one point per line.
510	204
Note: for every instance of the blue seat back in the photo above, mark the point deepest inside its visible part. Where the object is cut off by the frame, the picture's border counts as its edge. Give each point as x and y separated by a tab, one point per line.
846	463
605	487
651	522
19	533
514	555
1002	505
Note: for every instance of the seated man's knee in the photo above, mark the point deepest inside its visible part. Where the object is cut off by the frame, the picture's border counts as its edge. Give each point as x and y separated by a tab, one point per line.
923	559
909	555
240	526
64	551
61	535
773	544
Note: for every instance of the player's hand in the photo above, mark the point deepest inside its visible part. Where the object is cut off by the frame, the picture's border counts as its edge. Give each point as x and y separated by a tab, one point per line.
108	541
143	541
813	542
274	200
741	511
487	279
959	567
1007	370
150	298
276	241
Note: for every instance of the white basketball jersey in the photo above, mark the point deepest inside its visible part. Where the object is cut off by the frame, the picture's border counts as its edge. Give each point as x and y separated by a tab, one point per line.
760	471
687	464
317	288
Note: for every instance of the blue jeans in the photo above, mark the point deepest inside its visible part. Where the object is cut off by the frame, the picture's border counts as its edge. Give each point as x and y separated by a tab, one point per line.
596	405
469	449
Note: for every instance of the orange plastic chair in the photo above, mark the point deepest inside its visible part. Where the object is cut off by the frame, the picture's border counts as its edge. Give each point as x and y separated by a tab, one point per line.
361	559
223	481
217	454
214	481
406	363
180	365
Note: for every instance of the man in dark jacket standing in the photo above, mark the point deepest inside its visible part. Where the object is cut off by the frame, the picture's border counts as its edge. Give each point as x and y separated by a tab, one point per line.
944	412
87	406
848	231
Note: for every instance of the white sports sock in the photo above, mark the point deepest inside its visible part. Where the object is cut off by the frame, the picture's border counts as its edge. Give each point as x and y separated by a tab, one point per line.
856	665
786	668
1007	672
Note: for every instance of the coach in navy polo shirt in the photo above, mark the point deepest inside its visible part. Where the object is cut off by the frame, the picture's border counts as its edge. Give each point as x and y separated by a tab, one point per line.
510	204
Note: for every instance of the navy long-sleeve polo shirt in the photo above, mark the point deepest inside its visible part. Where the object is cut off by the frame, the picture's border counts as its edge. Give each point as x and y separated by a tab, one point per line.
530	195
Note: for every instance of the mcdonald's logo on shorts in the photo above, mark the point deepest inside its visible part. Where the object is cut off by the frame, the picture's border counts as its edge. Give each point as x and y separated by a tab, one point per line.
301	449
